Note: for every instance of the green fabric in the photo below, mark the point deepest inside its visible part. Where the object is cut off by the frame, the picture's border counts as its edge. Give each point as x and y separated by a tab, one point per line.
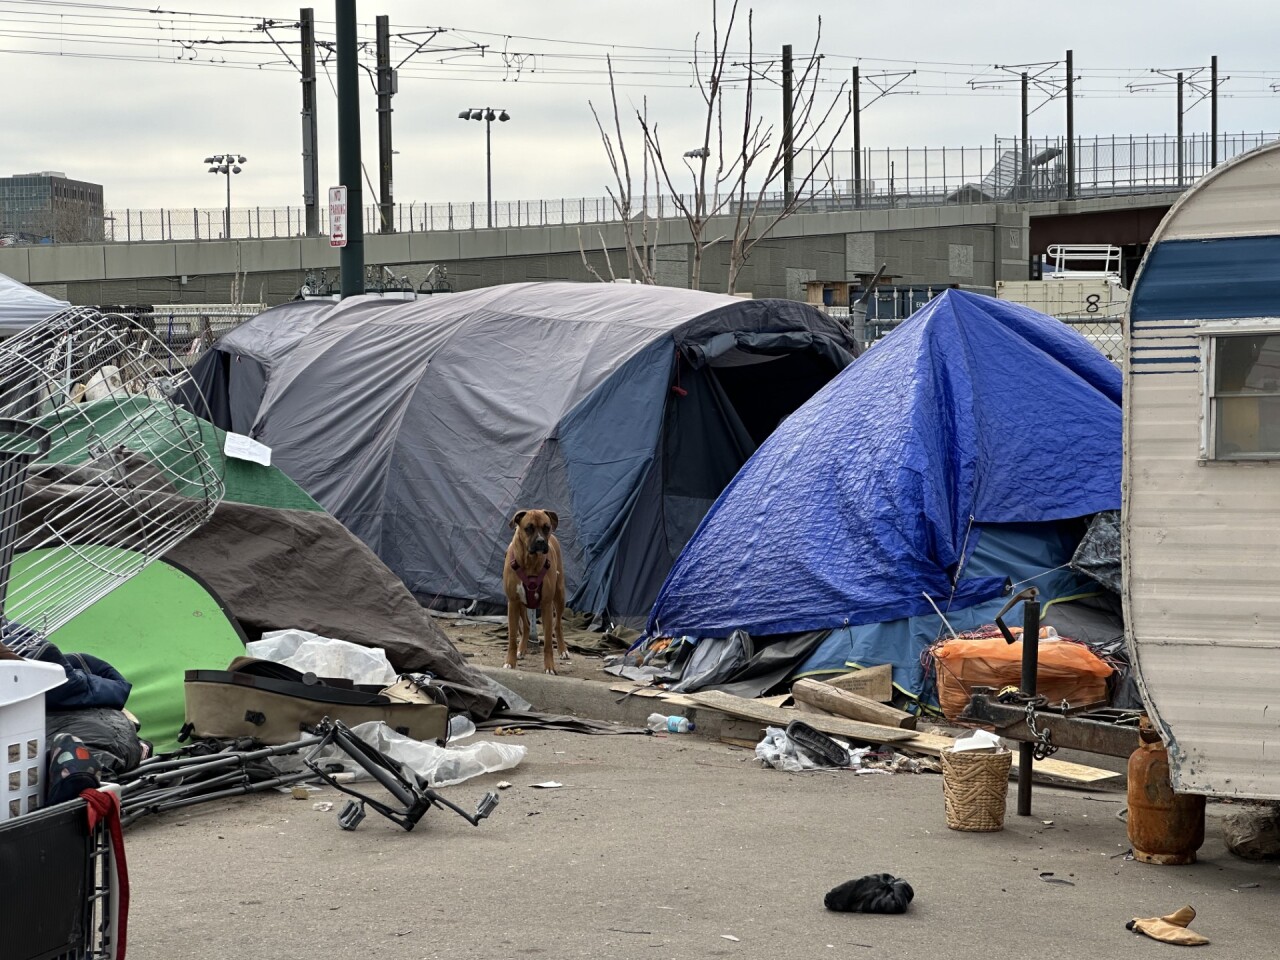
152	628
170	436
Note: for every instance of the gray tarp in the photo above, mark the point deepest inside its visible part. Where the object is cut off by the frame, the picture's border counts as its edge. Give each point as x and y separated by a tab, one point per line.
423	426
21	306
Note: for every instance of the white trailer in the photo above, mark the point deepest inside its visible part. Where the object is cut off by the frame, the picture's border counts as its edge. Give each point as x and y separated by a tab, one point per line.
1201	544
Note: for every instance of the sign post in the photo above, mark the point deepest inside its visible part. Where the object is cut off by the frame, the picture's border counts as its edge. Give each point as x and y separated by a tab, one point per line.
337	216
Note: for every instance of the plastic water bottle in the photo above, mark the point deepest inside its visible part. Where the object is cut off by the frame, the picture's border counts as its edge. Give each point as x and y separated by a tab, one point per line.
660	724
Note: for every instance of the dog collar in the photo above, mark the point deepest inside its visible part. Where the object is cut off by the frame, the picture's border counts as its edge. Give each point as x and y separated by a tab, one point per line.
532	583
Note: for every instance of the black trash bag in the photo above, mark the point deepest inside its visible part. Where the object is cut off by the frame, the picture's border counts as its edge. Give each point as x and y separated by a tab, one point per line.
874	893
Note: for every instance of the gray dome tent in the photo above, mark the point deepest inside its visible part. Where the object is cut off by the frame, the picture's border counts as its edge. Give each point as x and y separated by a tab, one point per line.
424	425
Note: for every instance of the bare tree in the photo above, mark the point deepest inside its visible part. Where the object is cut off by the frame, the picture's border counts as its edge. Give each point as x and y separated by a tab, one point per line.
736	170
641	252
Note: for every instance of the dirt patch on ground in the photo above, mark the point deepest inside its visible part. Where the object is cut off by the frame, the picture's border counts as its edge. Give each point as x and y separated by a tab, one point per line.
485	645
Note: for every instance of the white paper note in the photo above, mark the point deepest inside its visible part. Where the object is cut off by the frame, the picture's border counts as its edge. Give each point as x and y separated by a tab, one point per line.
240	447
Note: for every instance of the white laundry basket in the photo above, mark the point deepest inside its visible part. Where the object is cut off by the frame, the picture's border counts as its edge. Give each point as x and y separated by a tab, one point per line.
23	684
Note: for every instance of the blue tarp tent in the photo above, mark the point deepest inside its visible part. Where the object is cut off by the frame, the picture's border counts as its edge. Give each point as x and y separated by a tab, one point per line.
941	466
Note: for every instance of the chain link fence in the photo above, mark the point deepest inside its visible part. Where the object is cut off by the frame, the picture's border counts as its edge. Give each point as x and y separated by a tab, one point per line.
1099	321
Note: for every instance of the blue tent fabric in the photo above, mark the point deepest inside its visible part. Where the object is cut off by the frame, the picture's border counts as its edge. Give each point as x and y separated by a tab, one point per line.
975	411
1036	552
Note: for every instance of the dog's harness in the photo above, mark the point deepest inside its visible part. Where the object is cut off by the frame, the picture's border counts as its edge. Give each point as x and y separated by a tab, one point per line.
532	583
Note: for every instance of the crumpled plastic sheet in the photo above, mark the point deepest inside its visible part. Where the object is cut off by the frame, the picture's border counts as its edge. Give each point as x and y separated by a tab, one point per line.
324	656
438	766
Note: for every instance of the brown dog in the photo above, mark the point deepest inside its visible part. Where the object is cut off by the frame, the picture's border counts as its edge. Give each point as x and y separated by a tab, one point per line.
533	579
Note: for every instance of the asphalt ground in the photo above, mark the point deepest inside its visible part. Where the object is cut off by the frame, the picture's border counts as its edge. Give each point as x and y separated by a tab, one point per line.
666	847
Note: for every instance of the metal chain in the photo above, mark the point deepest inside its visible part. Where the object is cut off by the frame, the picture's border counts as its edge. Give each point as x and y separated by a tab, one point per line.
1044	738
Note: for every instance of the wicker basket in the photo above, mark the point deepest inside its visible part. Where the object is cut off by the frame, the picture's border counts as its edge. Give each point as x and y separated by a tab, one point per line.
975	786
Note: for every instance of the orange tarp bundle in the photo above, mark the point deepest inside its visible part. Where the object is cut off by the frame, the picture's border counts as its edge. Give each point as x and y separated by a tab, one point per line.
1067	671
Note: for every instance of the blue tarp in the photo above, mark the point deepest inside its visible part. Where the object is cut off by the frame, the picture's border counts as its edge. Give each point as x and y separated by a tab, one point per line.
873	494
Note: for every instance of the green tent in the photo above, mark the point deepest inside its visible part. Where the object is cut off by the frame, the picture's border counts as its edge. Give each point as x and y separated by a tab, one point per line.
153	628
171	436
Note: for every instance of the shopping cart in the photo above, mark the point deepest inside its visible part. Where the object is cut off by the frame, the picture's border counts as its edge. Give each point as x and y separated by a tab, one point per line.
59	898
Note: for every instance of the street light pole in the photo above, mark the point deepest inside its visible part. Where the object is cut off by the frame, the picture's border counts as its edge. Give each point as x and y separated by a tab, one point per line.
226	164
488	115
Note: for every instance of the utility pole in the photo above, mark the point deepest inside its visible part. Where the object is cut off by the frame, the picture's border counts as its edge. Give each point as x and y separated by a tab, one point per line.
352	255
1179	128
1213	112
310	160
1071	128
386	88
788	142
1025	178
857	140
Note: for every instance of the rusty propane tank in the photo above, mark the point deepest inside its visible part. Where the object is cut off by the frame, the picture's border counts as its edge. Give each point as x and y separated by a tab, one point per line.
1164	827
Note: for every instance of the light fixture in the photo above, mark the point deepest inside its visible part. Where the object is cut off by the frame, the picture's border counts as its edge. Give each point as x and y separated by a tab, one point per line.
240	159
213	169
504	116
465	115
235	169
477	114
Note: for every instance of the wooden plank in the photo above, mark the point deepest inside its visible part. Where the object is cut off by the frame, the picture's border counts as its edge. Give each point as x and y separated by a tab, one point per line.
654	693
934	743
775	716
874	683
851	705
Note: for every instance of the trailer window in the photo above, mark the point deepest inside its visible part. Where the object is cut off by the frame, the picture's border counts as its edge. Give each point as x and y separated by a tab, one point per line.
1245	397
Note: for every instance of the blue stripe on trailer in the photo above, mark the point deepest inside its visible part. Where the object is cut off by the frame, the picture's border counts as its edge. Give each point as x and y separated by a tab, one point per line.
1209	280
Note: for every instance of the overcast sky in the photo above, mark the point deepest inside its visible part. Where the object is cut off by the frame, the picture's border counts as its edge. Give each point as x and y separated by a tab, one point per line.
142	121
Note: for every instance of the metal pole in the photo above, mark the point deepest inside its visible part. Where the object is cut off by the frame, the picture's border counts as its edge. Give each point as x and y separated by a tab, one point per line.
227	170
386	87
310	159
351	259
1179	129
1071	129
1213	112
1024	178
788	143
1030	667
488	170
857	140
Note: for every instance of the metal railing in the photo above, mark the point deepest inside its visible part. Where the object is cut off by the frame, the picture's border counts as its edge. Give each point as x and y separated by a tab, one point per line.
999	172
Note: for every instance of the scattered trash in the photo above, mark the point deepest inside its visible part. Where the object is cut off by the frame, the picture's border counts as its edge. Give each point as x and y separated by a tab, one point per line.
820	747
504	784
324	806
660	724
300	792
1171	928
548	785
1245	886
508	732
729	936
874	893
1047	823
438	766
1050	878
620	930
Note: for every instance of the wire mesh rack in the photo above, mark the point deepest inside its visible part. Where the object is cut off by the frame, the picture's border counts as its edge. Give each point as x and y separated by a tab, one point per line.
101	471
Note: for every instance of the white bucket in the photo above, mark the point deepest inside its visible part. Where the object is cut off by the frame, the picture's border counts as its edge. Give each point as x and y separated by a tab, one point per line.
23	684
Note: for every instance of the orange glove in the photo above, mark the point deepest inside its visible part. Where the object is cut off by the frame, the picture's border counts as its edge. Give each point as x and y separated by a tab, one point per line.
1170	929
